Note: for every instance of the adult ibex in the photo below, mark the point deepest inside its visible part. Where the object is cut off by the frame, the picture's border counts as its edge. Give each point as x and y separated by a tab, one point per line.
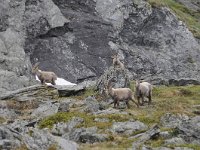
117	62
44	76
142	90
120	94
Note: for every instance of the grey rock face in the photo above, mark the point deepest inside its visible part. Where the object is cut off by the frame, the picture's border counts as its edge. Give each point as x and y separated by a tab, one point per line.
92	105
183	82
175	141
8	139
190	130
131	28
15	65
45	110
64	106
127	127
70	90
109	111
71	43
140	36
5	112
39	139
66	144
62	128
92	138
165	135
101	119
143	137
75	39
86	135
172	121
122	79
32	138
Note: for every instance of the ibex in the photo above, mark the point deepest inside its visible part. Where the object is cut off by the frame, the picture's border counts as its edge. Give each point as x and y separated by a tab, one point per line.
44	76
142	90
120	94
117	62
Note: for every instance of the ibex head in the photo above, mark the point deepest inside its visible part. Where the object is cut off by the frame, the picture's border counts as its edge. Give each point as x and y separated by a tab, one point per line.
115	55
35	67
137	82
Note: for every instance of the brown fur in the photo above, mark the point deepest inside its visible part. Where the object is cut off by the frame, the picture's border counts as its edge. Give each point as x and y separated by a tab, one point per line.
44	76
120	94
143	89
117	62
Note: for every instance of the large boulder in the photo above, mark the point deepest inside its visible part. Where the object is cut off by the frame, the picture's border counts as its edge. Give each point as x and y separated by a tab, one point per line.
190	130
8	139
128	127
92	105
15	65
45	110
149	40
86	135
75	39
170	120
42	139
62	128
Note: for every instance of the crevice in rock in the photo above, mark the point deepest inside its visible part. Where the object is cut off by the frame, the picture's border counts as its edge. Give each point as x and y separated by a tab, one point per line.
56	32
85	79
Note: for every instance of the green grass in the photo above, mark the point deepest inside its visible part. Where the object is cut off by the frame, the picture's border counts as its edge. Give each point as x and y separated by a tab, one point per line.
172	99
193	146
166	99
190	17
53	147
117	143
48	122
65	117
117	117
2	120
155	142
22	147
88	92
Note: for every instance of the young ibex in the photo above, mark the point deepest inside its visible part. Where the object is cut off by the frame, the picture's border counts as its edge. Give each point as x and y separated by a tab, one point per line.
44	76
120	94
117	62
142	90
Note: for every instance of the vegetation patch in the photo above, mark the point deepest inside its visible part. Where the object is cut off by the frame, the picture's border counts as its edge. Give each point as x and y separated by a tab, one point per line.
166	99
148	119
117	143
22	147
138	132
190	17
22	105
2	120
155	142
193	146
117	117
53	147
88	92
65	117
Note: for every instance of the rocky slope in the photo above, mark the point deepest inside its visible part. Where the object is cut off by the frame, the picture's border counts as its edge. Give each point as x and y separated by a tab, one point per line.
39	117
75	39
